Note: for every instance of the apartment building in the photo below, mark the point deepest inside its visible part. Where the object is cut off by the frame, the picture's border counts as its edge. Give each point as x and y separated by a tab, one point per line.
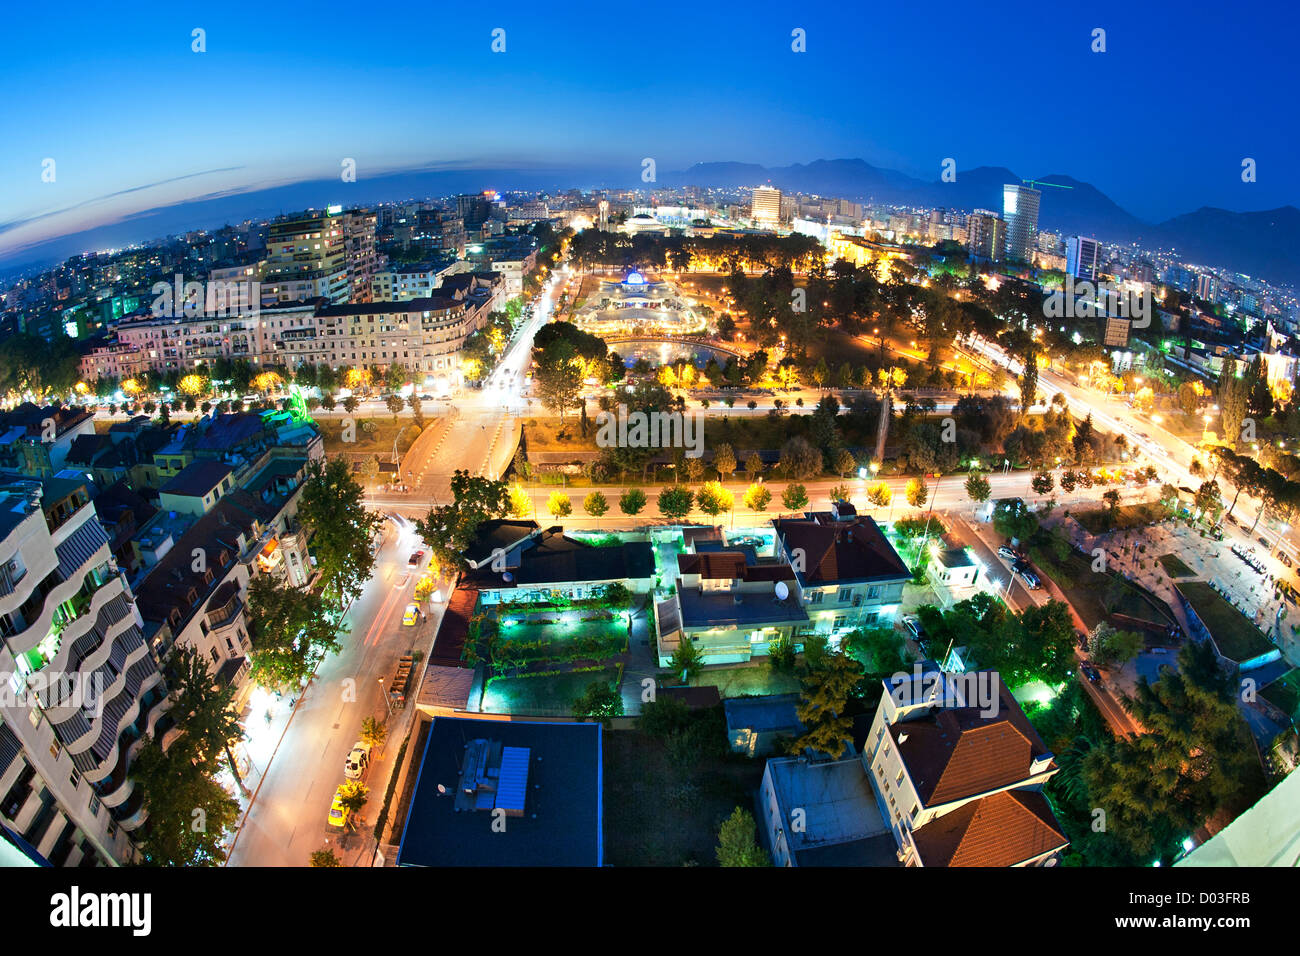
360	253
847	573
958	772
79	688
307	258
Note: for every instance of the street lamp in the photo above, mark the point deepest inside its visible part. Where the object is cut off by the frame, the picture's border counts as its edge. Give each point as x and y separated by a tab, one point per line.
387	703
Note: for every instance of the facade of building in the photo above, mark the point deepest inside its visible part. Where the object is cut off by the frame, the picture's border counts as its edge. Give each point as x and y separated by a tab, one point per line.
765	205
986	235
307	258
1082	257
81	688
958	772
1020	210
360	253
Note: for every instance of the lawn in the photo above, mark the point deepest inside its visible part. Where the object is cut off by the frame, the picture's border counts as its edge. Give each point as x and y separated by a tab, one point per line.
743	680
659	813
1098	520
551	695
1096	595
1235	635
1284	693
375	441
1175	567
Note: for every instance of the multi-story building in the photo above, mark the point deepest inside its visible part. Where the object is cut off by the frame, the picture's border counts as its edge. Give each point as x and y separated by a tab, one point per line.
1082	257
359	253
307	258
398	283
765	205
958	772
986	235
1020	210
80	687
847	573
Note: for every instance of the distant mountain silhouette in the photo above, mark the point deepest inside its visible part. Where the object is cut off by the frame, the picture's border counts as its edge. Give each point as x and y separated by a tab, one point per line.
1256	243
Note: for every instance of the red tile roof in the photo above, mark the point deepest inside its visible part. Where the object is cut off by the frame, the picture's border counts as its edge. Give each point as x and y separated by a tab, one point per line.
1004	829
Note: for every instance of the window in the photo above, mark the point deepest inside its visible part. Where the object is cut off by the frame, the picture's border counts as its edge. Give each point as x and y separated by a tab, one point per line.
94	805
216	658
816	597
899	779
75	780
873	592
844	595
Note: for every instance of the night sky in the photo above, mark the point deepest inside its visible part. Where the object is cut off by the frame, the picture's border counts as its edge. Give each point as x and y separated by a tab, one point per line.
134	119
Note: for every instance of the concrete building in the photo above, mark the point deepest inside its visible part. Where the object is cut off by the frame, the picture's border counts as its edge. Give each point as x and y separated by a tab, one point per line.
847	573
80	687
1082	257
307	258
958	772
986	235
765	205
360	254
1020	210
822	813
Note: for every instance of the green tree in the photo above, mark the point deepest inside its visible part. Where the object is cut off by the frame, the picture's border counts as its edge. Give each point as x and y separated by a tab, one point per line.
203	709
190	814
291	630
601	700
449	529
632	501
332	509
558	379
737	845
1043	483
978	488
724	461
686	661
757	497
916	492
373	732
559	505
713	499
753	465
823	705
595	504
395	404
794	497
675	502
325	857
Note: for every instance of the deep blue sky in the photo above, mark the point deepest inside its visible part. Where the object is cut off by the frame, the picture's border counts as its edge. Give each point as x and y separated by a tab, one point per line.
134	119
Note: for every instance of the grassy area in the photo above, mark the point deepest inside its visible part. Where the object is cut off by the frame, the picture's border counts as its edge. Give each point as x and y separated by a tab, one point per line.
550	695
1284	693
1096	595
1235	635
746	679
660	813
376	440
1175	567
1099	521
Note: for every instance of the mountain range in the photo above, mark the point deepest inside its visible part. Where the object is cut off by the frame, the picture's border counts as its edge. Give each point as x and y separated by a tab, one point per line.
1255	243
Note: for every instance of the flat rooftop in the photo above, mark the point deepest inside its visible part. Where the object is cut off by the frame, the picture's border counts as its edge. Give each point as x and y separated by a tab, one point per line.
738	609
562	822
843	822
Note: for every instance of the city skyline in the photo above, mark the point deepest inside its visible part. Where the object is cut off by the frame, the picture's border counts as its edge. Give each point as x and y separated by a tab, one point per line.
220	125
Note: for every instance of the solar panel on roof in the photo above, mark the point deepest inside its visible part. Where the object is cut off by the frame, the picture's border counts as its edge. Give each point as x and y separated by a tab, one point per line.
512	787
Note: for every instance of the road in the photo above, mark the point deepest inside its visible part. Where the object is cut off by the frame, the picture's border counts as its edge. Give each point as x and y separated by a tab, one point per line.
286	820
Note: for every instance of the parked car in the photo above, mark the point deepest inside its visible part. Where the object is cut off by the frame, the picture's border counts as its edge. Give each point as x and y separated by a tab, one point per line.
1083	640
1005	552
1282	556
1264	541
357	761
414	560
1031	580
913	624
338	813
1090	672
412	616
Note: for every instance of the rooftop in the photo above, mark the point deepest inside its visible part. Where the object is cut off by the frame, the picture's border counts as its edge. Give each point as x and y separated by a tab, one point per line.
197	479
562	819
738	609
842	822
840	551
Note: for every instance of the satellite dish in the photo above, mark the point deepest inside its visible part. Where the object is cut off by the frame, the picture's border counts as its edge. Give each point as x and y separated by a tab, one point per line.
782	590
507	576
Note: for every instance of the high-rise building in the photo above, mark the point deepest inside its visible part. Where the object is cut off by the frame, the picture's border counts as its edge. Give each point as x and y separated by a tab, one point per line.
1082	257
307	258
1020	210
766	205
986	235
1207	287
359	246
81	684
473	209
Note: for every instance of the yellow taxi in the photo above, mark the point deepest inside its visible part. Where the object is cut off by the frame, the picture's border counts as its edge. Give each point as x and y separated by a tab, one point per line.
412	616
338	813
